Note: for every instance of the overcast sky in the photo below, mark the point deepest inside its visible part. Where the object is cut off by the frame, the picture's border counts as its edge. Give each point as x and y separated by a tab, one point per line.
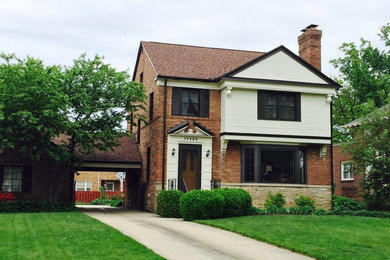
59	31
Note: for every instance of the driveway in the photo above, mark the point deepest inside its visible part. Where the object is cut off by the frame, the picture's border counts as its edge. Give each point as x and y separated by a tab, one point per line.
178	239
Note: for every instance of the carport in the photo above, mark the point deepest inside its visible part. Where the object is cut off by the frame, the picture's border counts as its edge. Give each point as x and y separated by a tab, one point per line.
123	158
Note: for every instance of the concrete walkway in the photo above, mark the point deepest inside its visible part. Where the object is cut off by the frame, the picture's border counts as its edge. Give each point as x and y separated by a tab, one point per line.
178	239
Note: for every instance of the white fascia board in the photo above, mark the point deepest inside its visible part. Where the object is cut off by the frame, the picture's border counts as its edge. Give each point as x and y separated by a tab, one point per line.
274	140
277	87
188	84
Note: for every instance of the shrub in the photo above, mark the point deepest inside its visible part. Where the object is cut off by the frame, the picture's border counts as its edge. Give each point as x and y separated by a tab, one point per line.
277	200
306	210
6	196
341	203
321	212
101	202
237	202
283	210
116	203
102	193
303	201
272	209
35	206
168	203
363	213
255	211
201	204
293	210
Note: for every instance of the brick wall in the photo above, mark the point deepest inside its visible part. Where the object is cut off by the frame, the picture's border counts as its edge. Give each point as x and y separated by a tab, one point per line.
349	189
318	168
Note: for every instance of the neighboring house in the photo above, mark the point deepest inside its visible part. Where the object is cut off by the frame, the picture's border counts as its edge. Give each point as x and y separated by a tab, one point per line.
259	121
345	181
92	181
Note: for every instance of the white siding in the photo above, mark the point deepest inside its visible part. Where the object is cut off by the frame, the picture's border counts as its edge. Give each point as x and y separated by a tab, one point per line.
240	116
280	66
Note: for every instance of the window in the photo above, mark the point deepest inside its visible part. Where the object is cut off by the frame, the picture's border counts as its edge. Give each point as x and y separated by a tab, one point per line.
148	164
273	105
347	171
273	164
83	186
138	131
190	102
109	186
151	100
141	77
15	178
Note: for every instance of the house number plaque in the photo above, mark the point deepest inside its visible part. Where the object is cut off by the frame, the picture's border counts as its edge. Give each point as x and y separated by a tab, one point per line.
190	138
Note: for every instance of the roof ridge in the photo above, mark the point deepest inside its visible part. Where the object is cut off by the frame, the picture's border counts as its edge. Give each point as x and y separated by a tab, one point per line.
205	47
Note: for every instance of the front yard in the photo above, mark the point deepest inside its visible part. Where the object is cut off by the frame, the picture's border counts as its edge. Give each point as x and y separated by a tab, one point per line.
70	235
322	237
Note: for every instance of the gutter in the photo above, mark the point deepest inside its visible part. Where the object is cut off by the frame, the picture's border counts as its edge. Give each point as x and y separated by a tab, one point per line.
331	148
164	136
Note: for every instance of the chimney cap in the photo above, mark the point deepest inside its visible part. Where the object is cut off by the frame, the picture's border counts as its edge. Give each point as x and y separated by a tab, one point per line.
309	27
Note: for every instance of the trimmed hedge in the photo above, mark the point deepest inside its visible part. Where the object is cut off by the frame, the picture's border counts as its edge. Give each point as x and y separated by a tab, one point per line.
35	206
168	203
238	202
201	204
341	203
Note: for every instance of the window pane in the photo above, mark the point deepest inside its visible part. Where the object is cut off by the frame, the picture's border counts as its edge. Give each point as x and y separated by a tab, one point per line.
249	172
301	175
270	99
277	166
12	179
190	102
287	113
270	112
287	100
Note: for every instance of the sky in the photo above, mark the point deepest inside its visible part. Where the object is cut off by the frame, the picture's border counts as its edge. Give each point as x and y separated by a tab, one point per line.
58	31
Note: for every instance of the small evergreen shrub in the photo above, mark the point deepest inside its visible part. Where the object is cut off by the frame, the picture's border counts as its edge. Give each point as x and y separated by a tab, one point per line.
201	204
116	203
294	210
303	201
100	201
278	200
321	212
306	210
168	203
363	213
341	203
237	202
35	206
255	211
272	209
283	210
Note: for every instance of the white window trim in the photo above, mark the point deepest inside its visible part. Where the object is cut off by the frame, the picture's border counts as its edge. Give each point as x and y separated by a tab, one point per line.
342	171
85	184
113	186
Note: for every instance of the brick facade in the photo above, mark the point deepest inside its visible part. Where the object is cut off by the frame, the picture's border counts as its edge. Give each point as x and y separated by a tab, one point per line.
309	43
344	188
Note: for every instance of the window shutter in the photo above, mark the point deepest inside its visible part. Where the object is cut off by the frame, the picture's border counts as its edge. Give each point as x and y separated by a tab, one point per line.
176	101
27	179
1	177
204	102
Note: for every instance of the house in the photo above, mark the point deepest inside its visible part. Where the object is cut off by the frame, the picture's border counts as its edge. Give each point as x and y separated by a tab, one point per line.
92	181
260	121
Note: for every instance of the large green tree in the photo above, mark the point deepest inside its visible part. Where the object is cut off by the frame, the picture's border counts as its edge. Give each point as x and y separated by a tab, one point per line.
365	77
85	104
370	151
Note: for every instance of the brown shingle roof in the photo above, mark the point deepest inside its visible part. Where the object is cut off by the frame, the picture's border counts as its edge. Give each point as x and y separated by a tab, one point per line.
183	61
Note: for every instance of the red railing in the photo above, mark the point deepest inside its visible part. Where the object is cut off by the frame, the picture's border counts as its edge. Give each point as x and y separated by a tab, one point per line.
89	196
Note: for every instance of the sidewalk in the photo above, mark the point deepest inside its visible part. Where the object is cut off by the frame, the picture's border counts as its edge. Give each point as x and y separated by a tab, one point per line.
178	239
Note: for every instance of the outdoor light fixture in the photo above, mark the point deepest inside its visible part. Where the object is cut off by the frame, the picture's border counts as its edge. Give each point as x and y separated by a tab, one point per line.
329	98
228	91
173	151
208	153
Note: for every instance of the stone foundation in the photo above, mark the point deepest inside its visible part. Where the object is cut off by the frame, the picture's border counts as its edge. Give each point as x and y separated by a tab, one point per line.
320	193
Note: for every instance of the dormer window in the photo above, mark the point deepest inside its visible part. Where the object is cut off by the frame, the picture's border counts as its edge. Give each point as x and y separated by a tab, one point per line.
277	105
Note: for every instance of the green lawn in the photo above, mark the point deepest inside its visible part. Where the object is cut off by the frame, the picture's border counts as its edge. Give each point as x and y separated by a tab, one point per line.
322	237
70	235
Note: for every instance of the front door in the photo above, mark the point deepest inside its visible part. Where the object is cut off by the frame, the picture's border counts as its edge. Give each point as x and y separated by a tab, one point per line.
189	167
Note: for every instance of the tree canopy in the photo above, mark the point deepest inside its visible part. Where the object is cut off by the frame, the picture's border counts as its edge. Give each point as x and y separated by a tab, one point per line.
86	102
365	77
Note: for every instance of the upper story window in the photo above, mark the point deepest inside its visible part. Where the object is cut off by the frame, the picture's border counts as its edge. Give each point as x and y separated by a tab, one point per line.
141	77
276	105
347	171
190	102
151	105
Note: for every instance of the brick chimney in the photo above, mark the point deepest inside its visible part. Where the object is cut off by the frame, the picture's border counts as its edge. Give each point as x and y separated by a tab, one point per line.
309	43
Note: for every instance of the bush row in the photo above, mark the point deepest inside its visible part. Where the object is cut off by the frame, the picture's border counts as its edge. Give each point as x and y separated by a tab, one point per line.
203	204
35	206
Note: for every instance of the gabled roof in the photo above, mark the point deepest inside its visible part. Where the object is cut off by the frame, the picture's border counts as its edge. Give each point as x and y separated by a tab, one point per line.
193	62
185	124
177	61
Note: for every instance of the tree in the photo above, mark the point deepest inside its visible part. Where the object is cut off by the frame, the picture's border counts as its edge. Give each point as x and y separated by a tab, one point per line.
370	152
365	76
85	103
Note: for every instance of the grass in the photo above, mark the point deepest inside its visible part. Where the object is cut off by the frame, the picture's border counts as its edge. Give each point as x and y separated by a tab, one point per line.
322	237
70	235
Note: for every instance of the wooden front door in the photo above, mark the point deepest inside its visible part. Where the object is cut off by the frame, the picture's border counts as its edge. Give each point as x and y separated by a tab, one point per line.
189	167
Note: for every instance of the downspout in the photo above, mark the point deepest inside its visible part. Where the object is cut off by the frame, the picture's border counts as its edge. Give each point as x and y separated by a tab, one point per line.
164	136
331	147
